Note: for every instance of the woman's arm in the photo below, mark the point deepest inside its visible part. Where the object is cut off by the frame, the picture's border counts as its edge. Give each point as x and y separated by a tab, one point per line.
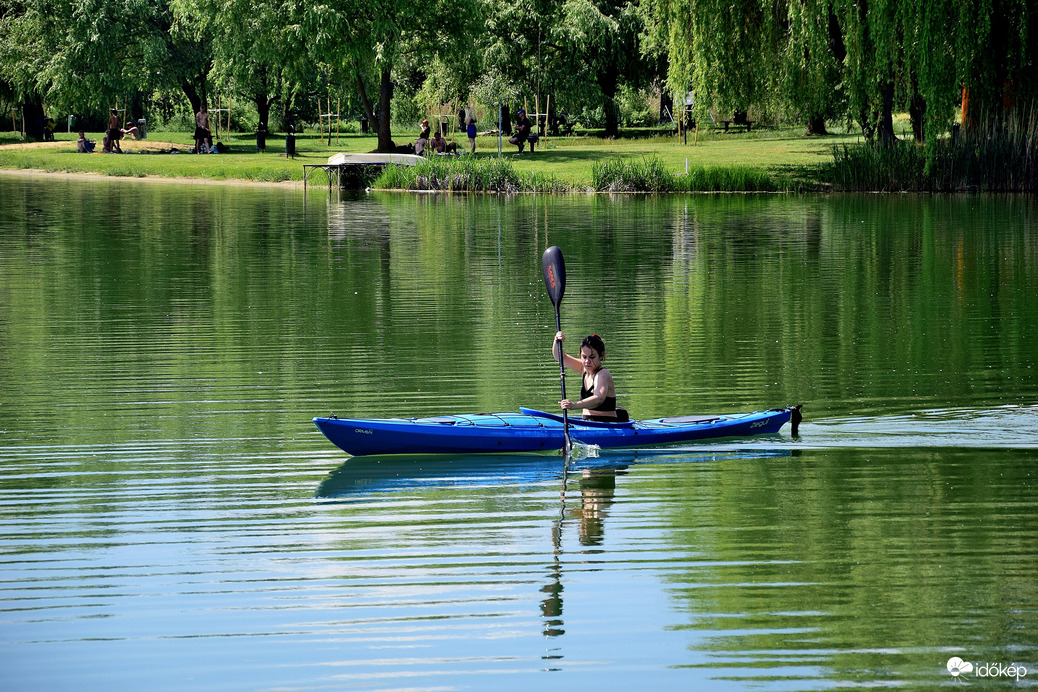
570	362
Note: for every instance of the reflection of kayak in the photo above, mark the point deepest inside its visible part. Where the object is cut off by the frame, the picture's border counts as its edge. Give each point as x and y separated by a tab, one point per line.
366	475
536	431
411	472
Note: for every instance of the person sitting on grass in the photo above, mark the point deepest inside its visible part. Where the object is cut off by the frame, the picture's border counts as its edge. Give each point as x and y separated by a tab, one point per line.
523	132
423	139
442	146
132	130
84	145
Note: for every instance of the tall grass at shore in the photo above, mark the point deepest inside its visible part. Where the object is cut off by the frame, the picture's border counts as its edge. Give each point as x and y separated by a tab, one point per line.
624	175
650	175
467	174
987	158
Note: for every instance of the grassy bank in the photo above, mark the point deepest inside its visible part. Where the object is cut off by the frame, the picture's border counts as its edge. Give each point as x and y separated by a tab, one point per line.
763	160
562	163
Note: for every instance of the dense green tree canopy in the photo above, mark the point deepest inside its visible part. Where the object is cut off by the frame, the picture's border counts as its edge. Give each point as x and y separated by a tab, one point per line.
811	60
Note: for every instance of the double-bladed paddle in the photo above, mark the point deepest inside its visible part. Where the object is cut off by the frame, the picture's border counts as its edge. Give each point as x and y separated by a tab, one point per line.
555	279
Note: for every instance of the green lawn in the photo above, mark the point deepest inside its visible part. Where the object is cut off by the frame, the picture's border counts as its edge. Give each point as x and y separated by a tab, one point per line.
782	152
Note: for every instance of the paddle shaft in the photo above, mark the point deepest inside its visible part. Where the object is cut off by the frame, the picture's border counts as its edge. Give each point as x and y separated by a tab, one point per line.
567	444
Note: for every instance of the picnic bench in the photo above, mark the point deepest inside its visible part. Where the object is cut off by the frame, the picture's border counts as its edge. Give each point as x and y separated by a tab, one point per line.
738	120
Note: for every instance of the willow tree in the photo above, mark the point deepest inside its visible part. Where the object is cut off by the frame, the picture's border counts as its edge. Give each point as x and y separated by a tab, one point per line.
811	63
604	37
726	52
921	55
873	38
360	38
579	51
994	44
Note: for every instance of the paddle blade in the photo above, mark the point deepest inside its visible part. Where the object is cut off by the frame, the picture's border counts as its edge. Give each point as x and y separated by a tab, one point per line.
554	273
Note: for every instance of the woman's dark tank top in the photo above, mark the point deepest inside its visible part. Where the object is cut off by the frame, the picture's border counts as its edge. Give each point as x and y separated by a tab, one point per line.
610	401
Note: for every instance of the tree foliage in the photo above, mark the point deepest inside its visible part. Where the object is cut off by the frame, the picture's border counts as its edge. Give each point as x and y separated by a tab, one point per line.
816	60
859	58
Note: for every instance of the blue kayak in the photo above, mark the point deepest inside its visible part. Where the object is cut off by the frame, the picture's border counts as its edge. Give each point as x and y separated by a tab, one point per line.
536	431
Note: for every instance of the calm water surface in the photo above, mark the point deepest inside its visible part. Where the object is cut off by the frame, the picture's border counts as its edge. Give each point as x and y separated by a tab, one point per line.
170	519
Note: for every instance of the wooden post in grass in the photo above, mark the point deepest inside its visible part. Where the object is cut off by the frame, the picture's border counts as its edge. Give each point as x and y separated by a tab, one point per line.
547	121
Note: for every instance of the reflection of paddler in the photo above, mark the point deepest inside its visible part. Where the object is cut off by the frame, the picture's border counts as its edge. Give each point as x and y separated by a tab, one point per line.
597	491
551	607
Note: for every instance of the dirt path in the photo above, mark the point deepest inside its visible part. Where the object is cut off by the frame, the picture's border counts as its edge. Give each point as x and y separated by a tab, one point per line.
136	145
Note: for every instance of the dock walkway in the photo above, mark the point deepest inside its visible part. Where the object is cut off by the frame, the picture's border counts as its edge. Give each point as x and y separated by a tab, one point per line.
354	166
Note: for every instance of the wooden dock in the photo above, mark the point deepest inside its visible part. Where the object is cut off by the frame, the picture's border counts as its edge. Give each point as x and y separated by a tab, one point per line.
346	168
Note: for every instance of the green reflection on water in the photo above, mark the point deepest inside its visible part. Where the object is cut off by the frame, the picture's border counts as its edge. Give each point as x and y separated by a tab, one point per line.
162	297
163	348
872	564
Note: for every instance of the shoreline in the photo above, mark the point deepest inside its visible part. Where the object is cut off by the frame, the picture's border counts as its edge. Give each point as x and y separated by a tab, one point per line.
79	175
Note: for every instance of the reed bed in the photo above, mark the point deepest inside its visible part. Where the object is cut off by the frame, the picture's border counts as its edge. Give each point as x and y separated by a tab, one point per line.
987	158
650	175
467	174
624	175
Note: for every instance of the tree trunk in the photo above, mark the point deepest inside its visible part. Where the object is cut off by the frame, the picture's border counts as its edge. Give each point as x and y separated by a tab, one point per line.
136	107
612	123
287	111
607	82
193	96
369	112
385	134
836	44
506	120
816	125
916	111
263	105
32	115
885	126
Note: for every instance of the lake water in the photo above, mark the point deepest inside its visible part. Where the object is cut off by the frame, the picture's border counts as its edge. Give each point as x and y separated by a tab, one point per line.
170	519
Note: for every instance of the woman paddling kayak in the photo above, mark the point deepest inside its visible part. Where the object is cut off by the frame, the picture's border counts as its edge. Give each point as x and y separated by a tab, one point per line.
597	393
